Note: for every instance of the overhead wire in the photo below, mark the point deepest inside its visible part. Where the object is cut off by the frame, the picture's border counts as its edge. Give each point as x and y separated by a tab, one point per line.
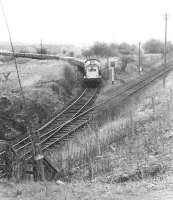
18	74
13	52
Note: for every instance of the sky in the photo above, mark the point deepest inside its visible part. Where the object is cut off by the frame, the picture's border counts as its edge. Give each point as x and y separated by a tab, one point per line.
83	22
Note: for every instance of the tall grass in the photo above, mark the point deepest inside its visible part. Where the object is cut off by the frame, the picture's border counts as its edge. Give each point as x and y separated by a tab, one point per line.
129	147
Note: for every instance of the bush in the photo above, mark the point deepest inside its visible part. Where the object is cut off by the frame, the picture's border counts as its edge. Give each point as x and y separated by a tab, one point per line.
6	58
69	75
55	88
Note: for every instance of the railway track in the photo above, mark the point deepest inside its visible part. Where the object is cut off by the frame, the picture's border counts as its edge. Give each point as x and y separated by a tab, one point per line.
76	121
83	118
75	108
72	125
133	87
78	114
57	126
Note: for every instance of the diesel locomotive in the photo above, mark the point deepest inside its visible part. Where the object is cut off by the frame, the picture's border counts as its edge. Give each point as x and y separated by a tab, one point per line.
92	74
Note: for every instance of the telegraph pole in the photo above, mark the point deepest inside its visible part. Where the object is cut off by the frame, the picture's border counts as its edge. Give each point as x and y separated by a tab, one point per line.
139	57
41	47
113	72
165	47
165	44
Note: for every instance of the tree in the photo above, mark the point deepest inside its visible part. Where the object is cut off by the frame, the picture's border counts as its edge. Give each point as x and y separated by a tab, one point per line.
104	50
157	46
98	49
87	53
64	51
153	46
124	48
125	59
71	54
114	48
169	47
124	51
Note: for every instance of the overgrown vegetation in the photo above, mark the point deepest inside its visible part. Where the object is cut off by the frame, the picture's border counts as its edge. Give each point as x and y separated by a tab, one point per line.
154	46
45	96
128	148
103	50
127	53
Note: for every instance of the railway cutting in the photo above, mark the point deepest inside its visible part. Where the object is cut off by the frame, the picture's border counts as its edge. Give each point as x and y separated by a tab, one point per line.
57	128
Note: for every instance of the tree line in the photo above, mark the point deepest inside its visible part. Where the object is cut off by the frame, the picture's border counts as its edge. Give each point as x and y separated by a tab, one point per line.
125	51
152	46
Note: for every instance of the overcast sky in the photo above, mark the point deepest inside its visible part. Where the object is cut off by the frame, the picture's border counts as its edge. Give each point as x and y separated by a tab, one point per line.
83	22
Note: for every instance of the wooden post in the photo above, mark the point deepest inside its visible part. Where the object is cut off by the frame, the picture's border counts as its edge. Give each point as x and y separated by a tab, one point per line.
76	74
113	71
90	169
98	143
132	125
38	158
165	49
39	161
165	43
164	82
107	62
113	75
171	96
68	157
153	106
139	59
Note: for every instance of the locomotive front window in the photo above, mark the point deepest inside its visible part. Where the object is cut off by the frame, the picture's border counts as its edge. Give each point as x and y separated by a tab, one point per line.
92	69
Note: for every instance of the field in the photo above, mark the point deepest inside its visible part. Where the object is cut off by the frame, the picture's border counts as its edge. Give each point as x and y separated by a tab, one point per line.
32	71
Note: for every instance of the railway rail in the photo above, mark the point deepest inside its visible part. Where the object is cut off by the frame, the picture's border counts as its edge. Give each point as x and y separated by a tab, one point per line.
80	116
75	108
55	127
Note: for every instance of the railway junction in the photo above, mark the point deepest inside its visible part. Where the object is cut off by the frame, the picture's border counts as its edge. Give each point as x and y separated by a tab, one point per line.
71	119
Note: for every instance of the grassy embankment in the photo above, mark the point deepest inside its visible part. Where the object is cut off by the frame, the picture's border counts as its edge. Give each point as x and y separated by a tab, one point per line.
135	149
47	85
133	131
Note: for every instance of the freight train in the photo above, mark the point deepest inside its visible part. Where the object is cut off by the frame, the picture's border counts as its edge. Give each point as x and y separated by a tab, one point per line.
90	68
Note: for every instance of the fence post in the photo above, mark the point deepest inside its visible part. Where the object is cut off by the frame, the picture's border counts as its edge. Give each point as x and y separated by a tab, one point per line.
164	82
113	72
168	114
171	96
132	125
153	106
98	143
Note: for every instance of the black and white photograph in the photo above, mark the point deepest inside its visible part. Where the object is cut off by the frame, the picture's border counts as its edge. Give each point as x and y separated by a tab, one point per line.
86	100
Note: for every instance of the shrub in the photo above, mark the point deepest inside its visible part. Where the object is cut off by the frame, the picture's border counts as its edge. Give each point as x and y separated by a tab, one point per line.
69	75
